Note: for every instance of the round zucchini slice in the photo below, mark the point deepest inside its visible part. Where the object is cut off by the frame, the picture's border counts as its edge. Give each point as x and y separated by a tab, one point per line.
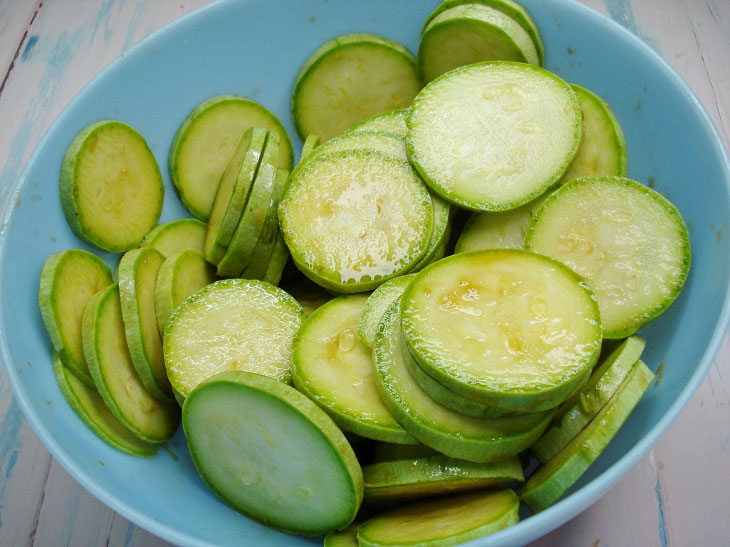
388	143
335	369
177	236
272	454
628	242
439	236
232	324
509	131
379	301
349	79
111	186
277	262
355	219
205	142
309	145
392	122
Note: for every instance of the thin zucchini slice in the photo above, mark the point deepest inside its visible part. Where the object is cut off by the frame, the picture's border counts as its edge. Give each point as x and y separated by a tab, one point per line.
115	376
355	219
510	131
439	236
385	452
580	409
512	329
442	522
343	538
277	262
111	186
309	145
448	432
68	281
470	33
392	122
177	236
331	366
628	242
349	79
554	478
388	143
232	324
379	301
205	142
272	454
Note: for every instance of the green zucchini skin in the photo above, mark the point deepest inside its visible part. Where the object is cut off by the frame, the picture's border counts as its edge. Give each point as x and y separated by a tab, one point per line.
391	122
378	302
174	237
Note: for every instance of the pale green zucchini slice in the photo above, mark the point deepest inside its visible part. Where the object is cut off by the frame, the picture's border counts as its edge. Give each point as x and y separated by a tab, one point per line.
223	326
443	521
355	219
509	131
111	186
392	122
379	301
471	33
385	452
68	281
439	236
602	149
343	538
205	142
436	475
512	329
277	262
177	236
554	478
272	454
331	366
576	412
388	143
309	145
91	408
448	432
180	276
349	79
628	242
114	373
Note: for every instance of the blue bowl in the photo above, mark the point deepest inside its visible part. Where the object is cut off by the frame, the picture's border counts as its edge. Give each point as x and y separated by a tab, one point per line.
254	48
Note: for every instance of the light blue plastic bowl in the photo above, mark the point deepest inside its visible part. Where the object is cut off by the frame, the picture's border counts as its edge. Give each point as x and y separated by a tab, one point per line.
254	48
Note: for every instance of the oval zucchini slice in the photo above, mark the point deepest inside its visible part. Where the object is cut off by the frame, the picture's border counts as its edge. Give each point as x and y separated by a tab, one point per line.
111	186
388	143
277	262
309	145
309	483
392	122
379	301
439	235
343	538
177	236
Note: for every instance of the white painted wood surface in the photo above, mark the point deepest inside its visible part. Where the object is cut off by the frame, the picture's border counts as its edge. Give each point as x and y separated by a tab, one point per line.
678	495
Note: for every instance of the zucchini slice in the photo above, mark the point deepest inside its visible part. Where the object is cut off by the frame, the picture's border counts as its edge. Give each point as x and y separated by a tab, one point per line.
177	236
343	538
355	219
442	522
205	142
628	242
512	329
277	262
114	373
392	122
111	186
309	145
272	454
510	131
554	478
439	236
388	143
349	79
232	324
331	366
379	301
68	281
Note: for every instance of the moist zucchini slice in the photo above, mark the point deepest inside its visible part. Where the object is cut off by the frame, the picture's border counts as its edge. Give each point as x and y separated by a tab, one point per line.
391	122
91	408
111	186
554	478
205	142
331	366
385	452
448	432
439	236
177	236
114	373
512	329
510	131
442	522
343	538
470	33
628	242
277	262
272	454
580	409
309	145
388	143
355	219
223	327
349	79
379	301
68	281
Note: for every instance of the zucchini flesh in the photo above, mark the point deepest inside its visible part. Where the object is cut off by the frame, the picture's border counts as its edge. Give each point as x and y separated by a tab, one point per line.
388	143
177	236
342	538
379	301
391	122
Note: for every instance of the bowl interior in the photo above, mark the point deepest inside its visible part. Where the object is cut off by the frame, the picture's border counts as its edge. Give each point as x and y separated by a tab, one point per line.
254	48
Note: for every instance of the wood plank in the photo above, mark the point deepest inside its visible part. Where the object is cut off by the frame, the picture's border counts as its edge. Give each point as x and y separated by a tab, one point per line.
15	19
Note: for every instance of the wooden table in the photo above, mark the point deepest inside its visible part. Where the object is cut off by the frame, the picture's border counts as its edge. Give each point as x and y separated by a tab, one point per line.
679	494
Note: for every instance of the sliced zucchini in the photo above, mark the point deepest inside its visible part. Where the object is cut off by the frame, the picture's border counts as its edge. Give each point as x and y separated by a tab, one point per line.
355	219
68	281
385	452
552	480
379	301
111	186
232	324
114	373
442	522
310	144
272	454
343	538
349	79
205	142
439	236
277	262
392	122
388	143
331	366
510	130
628	242
177	236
